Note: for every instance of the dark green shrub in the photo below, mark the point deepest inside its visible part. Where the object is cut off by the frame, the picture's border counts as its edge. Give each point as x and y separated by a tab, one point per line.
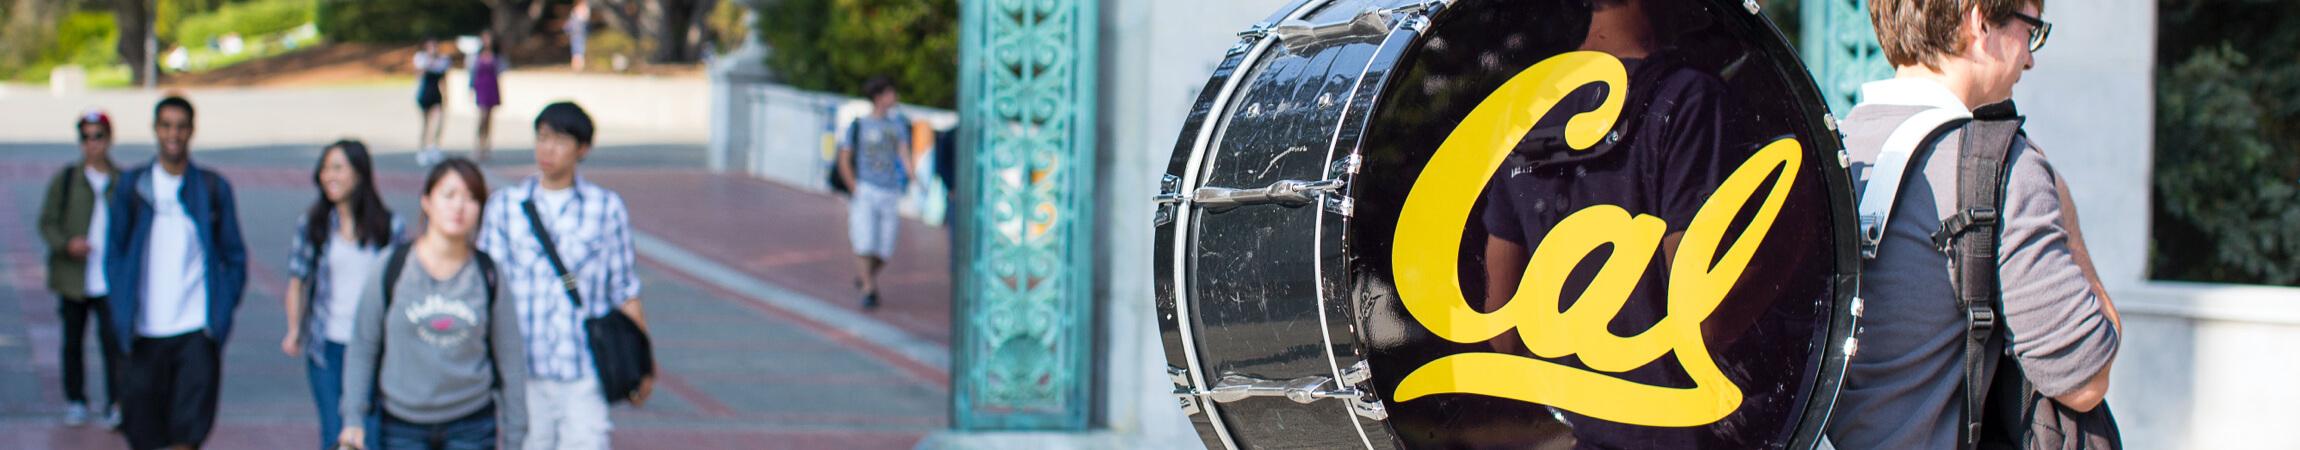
834	45
399	21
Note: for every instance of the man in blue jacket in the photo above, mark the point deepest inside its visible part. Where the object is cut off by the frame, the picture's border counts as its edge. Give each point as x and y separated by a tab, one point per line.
176	269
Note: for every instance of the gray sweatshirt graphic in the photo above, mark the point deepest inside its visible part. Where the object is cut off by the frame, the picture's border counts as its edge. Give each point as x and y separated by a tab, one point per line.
433	345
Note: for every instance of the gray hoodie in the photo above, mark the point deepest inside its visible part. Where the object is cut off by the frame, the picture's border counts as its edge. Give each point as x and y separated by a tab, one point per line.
434	350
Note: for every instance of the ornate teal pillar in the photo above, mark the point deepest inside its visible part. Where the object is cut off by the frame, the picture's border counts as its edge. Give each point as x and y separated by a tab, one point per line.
1023	350
1840	47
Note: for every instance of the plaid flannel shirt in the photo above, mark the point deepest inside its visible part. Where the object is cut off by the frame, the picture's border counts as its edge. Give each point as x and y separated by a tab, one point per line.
593	233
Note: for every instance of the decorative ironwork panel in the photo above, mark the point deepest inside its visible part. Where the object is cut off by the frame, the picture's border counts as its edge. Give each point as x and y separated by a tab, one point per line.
1025	299
1840	47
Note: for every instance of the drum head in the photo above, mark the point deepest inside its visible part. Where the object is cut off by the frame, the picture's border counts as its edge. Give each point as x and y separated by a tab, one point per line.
1602	224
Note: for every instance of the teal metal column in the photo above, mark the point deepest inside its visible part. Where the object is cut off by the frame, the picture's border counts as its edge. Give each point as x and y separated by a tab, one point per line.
1023	353
1841	49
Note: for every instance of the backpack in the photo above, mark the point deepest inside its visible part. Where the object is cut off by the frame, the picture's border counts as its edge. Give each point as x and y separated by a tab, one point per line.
854	157
391	269
2011	414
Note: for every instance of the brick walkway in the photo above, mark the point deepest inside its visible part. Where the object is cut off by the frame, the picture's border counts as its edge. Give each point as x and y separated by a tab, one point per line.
739	373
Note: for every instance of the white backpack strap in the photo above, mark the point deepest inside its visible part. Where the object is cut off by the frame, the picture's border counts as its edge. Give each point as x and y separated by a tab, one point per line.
1891	168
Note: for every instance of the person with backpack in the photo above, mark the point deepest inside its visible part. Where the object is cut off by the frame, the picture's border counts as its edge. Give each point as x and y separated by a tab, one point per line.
874	160
338	244
1985	325
434	344
176	265
72	223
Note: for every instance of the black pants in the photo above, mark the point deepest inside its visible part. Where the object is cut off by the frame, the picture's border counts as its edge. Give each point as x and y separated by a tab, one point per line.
171	392
76	315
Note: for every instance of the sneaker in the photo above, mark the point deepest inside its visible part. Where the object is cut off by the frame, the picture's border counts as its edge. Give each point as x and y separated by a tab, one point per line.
76	414
870	301
428	157
112	417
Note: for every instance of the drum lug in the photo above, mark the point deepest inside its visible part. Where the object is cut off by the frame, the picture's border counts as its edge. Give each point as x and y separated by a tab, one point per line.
1751	5
1169	197
1246	39
1183	394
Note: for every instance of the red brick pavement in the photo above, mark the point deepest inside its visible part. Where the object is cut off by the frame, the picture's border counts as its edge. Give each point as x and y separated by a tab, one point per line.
792	238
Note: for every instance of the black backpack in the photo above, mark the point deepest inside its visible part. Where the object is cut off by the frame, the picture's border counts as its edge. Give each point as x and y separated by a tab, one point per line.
2011	414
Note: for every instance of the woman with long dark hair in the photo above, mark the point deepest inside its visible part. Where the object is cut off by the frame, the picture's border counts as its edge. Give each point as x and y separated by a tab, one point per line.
435	346
338	244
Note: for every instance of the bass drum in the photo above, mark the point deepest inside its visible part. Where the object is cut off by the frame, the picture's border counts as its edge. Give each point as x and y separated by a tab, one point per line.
1508	224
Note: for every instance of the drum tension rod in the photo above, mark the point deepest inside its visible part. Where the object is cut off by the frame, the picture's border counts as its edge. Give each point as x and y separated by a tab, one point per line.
1287	193
1305	390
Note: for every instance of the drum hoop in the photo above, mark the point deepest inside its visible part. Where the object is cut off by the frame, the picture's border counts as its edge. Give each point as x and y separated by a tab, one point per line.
1410	30
1190	178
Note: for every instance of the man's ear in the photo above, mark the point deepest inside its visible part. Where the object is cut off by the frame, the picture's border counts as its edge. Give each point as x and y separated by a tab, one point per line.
1975	29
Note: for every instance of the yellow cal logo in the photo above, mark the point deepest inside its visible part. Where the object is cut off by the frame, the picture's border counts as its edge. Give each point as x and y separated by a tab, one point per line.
1428	240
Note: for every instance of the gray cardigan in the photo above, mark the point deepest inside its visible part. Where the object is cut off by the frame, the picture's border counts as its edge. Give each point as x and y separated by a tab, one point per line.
433	347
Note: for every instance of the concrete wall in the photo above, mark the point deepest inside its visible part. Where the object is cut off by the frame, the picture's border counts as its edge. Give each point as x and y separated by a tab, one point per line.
2202	366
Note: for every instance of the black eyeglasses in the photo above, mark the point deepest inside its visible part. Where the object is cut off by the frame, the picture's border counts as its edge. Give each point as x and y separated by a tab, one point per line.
85	137
2038	30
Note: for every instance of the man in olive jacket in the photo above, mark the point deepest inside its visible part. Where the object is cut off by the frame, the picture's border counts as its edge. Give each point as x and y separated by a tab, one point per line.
72	221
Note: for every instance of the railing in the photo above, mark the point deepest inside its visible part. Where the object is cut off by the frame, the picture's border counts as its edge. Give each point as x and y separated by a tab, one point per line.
786	135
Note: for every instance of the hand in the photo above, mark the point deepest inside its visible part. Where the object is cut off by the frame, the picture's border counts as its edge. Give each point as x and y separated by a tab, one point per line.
78	248
646	388
292	345
352	437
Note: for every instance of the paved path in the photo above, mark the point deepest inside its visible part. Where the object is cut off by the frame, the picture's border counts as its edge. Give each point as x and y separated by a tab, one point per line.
747	282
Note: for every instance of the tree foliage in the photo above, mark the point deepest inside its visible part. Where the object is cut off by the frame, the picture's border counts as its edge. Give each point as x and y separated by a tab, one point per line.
834	45
2227	142
399	21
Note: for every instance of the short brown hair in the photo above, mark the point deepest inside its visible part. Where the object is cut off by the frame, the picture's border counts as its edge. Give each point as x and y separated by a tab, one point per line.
1915	32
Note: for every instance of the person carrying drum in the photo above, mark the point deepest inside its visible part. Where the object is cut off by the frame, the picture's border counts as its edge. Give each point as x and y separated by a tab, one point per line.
1985	322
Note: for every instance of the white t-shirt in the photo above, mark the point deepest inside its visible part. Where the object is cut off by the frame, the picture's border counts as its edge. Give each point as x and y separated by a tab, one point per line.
97	223
176	273
348	267
549	201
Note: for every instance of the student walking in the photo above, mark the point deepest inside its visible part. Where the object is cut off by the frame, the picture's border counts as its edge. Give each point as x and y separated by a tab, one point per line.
564	246
338	244
431	64
873	157
435	344
72	223
578	28
1986	324
176	266
486	68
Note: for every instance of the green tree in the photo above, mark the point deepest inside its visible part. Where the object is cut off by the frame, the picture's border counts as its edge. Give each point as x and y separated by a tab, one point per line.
833	45
2227	142
399	21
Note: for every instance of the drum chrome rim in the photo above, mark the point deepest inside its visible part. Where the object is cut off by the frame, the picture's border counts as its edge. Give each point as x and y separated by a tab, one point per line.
1189	182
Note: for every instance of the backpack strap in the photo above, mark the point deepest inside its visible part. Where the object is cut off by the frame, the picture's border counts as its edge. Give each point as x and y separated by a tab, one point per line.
487	275
1904	148
391	270
1970	238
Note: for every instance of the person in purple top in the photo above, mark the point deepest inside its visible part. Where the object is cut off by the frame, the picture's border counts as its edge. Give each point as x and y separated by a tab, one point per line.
486	89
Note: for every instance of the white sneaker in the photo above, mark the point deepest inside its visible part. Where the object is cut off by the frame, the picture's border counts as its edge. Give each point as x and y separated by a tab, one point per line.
429	156
112	417
76	414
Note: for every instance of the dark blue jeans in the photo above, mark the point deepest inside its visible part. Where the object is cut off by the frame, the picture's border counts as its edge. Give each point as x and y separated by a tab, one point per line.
327	393
475	431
